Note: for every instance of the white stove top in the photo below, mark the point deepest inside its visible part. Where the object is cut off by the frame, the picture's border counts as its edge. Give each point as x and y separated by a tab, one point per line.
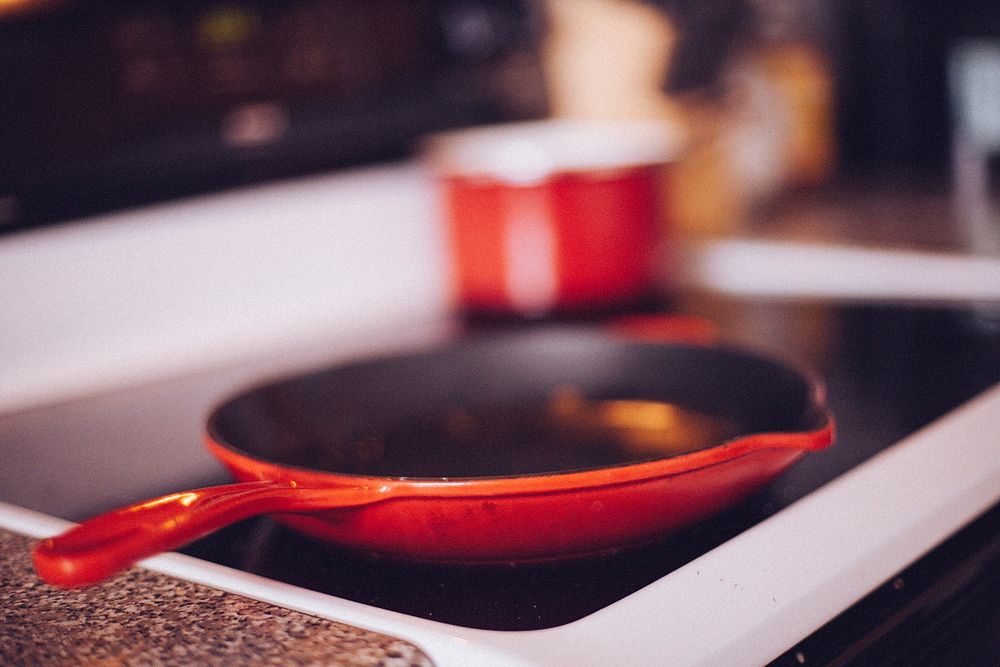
172	307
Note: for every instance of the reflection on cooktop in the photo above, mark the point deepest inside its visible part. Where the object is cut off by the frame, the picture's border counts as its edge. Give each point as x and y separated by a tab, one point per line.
888	370
517	597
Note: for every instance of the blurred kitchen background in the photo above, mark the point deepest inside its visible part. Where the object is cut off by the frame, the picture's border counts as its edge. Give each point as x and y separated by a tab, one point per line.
107	107
845	122
191	183
197	196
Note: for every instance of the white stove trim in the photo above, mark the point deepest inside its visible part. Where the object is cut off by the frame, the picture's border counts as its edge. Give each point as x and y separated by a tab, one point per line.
788	269
746	601
131	297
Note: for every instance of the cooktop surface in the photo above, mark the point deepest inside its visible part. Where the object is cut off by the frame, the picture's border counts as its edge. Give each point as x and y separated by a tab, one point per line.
889	369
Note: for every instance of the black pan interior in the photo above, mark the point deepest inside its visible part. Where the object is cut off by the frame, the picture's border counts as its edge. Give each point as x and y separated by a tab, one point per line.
372	417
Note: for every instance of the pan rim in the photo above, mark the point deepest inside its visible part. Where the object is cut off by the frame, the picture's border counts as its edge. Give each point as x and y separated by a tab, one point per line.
816	438
562	480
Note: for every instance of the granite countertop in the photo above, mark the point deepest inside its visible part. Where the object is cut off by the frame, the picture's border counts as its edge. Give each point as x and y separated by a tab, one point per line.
146	618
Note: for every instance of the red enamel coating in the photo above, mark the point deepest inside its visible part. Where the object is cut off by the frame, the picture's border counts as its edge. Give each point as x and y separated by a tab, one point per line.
484	520
604	230
104	545
474	520
667	328
516	519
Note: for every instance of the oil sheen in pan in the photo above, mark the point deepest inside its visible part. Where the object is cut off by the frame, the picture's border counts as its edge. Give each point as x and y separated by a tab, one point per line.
565	432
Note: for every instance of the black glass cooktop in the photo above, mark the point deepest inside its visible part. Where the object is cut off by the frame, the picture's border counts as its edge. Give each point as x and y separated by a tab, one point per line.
889	370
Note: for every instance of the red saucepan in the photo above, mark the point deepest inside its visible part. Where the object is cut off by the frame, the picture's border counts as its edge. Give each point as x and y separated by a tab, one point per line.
514	447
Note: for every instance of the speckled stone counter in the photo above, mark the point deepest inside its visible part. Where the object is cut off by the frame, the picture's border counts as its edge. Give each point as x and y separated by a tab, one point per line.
146	618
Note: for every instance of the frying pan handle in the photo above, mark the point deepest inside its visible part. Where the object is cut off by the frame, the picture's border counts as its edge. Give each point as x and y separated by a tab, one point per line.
672	328
99	548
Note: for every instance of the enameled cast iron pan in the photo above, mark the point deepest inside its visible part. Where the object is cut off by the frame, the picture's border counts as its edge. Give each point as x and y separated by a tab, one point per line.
507	448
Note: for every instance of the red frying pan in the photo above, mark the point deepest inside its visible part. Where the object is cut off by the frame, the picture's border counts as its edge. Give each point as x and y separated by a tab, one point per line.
515	447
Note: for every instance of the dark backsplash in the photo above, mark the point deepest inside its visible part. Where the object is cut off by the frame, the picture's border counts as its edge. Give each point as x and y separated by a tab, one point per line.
112	105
